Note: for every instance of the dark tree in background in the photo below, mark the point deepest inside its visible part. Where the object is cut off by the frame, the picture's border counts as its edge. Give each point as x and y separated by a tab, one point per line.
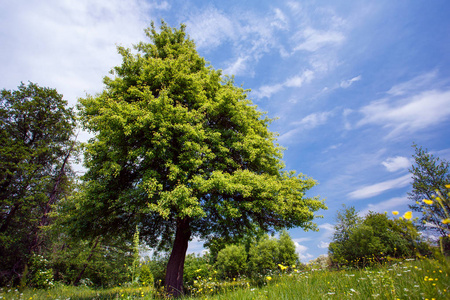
182	152
36	129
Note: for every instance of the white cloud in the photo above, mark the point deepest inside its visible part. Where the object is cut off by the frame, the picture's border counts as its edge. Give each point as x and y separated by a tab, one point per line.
211	28
323	245
309	122
195	246
295	81
389	205
328	230
238	67
409	114
396	163
313	120
267	90
302	252
312	39
68	45
419	82
301	240
347	83
378	188
280	20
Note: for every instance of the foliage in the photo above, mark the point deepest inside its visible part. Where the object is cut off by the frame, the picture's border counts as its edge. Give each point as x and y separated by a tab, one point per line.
103	265
430	176
263	257
35	137
286	250
183	152
232	261
197	267
366	241
271	254
145	276
39	274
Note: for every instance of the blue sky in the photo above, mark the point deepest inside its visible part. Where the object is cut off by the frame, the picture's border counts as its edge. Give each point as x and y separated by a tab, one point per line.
352	83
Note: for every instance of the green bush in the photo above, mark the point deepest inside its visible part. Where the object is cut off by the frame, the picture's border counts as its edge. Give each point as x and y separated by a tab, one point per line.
263	257
374	239
231	261
196	267
39	275
145	275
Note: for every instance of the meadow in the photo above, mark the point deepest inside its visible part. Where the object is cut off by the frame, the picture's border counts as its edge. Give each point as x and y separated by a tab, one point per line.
408	279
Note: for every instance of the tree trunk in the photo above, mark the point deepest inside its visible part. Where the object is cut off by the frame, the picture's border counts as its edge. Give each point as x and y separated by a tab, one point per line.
37	241
175	266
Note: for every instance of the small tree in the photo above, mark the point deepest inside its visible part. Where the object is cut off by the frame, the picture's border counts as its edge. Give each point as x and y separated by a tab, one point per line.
263	257
371	239
429	193
183	152
232	261
286	250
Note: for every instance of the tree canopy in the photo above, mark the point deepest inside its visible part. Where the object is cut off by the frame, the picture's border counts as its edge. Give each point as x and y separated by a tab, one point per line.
181	151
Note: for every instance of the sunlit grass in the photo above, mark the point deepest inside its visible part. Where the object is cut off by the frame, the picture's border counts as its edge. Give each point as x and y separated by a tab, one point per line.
423	279
419	279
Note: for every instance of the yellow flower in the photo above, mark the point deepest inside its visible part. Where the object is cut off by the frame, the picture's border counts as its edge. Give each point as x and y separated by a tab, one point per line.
395	212
447	186
282	267
446	221
407	215
269	278
429	202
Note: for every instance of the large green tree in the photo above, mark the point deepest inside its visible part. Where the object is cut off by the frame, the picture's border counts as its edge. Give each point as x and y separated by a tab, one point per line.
430	176
182	152
36	128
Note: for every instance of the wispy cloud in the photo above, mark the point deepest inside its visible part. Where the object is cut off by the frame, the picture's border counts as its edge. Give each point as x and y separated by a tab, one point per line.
409	106
408	114
347	83
396	163
386	206
420	82
309	122
378	188
323	245
314	120
312	39
297	81
210	28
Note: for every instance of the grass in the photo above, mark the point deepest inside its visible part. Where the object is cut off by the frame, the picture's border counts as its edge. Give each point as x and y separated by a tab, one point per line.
420	279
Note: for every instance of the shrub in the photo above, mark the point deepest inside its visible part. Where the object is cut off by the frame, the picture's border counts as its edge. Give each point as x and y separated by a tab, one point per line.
145	275
231	261
263	256
39	275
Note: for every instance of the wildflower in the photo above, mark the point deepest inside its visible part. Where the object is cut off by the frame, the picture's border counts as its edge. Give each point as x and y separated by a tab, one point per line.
446	221
282	267
426	201
395	212
447	186
269	278
407	215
